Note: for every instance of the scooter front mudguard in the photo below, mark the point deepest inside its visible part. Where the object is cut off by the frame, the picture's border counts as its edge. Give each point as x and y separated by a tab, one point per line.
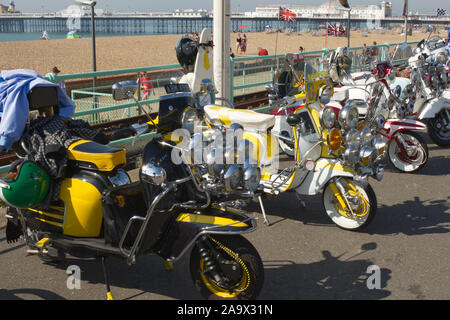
189	226
325	170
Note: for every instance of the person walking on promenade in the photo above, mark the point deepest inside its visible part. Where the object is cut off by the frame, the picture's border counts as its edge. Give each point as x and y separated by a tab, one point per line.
244	44
238	43
146	85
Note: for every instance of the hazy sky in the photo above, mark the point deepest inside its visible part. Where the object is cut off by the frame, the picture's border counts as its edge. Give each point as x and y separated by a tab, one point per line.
423	6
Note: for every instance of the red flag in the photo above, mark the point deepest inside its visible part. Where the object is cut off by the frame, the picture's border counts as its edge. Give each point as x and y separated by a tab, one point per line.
287	15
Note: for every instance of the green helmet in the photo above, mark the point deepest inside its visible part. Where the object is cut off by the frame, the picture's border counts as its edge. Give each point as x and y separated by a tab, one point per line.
26	189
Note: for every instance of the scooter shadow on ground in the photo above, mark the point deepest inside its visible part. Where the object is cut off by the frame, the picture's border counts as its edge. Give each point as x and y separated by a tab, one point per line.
39	293
412	217
436	166
148	276
288	207
334	277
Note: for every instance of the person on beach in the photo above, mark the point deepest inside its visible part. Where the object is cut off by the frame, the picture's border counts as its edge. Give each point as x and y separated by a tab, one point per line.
232	53
374	49
238	43
301	49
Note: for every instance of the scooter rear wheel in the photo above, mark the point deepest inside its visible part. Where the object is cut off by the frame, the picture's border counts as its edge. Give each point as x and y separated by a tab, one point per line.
438	134
234	248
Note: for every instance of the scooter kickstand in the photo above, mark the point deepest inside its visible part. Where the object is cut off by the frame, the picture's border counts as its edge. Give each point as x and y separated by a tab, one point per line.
109	295
266	221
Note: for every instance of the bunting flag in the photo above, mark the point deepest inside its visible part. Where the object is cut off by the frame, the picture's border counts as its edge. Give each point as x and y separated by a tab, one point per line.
441	12
287	15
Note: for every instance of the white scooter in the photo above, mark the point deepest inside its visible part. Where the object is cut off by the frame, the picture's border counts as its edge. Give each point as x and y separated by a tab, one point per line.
407	151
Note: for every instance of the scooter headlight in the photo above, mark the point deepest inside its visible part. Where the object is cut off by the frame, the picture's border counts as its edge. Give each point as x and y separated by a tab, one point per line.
353	136
351	154
252	178
380	144
189	119
328	117
366	155
325	94
348	116
233	177
334	139
366	135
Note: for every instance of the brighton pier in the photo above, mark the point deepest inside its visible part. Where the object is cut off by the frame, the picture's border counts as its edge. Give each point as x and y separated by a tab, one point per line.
144	24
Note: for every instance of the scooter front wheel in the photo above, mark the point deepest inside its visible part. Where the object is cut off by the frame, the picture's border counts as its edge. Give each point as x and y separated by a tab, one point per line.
363	203
399	157
241	273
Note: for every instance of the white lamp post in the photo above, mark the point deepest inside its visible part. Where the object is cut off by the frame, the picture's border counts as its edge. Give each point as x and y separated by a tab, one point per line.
222	21
94	59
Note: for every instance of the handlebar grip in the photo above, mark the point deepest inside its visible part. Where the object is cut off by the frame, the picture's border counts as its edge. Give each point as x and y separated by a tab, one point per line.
122	133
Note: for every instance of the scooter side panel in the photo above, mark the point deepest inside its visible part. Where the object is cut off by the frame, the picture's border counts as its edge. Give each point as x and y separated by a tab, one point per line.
325	170
83	208
434	106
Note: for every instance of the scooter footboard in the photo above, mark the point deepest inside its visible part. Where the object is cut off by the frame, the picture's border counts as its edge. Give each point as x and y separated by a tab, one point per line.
189	226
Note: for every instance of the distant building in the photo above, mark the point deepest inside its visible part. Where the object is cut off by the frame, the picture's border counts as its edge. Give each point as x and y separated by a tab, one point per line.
78	11
9	9
191	13
323	10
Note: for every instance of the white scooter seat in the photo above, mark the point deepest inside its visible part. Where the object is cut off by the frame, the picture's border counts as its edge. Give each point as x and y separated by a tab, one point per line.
250	120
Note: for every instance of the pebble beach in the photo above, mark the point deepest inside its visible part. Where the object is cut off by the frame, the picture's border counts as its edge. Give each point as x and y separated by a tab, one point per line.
75	55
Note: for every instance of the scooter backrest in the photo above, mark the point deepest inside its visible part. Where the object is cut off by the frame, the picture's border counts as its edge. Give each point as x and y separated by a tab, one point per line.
44	100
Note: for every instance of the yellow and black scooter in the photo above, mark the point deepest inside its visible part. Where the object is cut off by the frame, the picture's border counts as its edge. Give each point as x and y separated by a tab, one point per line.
100	213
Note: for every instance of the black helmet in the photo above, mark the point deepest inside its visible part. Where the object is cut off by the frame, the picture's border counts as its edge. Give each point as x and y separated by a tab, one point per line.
187	53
